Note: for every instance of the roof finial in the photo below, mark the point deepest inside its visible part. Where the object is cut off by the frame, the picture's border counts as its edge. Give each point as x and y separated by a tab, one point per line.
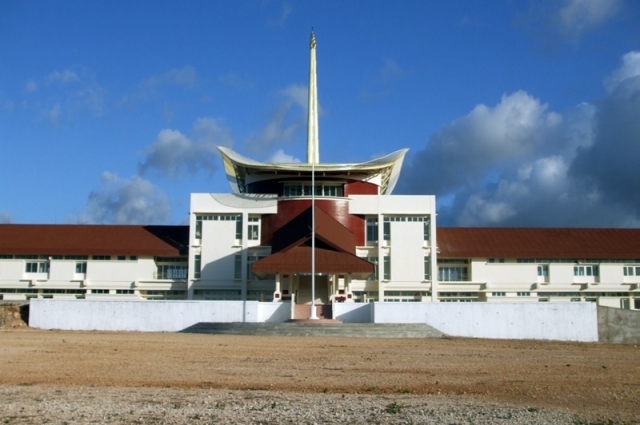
313	155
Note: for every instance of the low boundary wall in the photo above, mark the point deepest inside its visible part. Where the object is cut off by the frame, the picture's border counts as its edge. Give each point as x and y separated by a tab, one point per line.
546	321
616	326
550	321
144	316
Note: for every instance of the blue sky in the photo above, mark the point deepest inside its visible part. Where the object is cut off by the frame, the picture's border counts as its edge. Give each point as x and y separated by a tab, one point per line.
516	113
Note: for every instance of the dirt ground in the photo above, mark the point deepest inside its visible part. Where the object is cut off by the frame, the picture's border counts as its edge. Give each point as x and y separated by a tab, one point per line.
597	382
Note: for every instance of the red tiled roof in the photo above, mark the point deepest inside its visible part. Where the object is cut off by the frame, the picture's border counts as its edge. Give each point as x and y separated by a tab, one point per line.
328	230
298	260
469	242
77	239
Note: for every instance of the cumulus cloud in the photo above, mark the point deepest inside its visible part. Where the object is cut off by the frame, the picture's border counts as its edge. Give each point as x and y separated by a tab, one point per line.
282	18
62	77
237	81
288	118
127	201
629	68
281	156
5	217
53	115
567	21
31	86
173	153
519	164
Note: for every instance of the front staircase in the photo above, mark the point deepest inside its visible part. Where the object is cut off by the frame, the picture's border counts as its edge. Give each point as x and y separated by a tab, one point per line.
323	312
319	329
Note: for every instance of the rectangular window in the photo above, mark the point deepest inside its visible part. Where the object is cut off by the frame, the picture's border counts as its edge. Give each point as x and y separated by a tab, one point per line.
101	257
543	271
81	267
250	260
372	229
524	294
498	294
632	271
427	229
237	266
386	229
387	267
99	291
427	268
125	291
37	267
254	232
453	274
239	229
373	260
585	271
172	271
197	266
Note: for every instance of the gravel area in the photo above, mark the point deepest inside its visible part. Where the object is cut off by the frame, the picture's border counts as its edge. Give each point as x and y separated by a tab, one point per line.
127	377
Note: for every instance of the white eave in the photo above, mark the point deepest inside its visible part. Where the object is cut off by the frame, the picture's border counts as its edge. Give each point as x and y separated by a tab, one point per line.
238	167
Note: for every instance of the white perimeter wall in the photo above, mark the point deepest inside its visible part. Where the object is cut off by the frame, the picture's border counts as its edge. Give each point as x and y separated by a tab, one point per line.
550	321
144	316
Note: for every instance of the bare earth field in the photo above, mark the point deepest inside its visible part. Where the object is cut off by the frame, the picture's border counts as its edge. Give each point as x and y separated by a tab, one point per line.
105	377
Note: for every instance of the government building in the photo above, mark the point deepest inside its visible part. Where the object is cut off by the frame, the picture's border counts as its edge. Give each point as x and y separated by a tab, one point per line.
315	234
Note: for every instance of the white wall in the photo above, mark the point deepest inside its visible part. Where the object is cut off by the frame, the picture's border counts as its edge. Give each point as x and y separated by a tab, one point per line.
143	316
274	312
353	312
504	273
407	252
548	321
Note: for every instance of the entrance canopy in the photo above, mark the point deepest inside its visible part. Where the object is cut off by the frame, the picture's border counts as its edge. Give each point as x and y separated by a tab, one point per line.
335	249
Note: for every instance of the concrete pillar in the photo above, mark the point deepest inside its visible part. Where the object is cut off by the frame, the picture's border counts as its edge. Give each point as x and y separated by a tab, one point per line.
277	294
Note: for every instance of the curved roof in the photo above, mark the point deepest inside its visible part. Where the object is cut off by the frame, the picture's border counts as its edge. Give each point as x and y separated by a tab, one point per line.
239	168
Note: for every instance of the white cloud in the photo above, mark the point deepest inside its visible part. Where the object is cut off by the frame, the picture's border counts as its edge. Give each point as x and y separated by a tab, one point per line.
390	70
5	217
238	81
62	77
629	68
53	115
288	118
579	16
172	153
186	77
31	86
281	156
122	201
518	164
282	18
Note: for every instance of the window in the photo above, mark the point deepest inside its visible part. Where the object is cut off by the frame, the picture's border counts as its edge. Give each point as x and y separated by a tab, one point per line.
386	229
427	268
122	257
452	274
373	260
218	217
372	229
524	294
125	291
259	295
37	267
321	189
387	268
543	271
81	267
254	229
197	266
99	291
632	271
427	229
172	271
217	294
250	260
585	271
101	257
237	266
498	294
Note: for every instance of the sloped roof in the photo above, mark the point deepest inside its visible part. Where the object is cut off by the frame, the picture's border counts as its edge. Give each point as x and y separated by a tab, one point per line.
298	260
469	242
335	248
328	230
77	239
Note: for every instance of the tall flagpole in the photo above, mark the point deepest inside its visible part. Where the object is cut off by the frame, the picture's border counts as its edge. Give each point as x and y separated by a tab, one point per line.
313	157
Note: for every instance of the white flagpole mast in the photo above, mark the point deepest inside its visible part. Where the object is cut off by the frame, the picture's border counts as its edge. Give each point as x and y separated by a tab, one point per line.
313	157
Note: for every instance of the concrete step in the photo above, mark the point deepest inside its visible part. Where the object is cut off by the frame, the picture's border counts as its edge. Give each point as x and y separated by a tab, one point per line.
356	330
